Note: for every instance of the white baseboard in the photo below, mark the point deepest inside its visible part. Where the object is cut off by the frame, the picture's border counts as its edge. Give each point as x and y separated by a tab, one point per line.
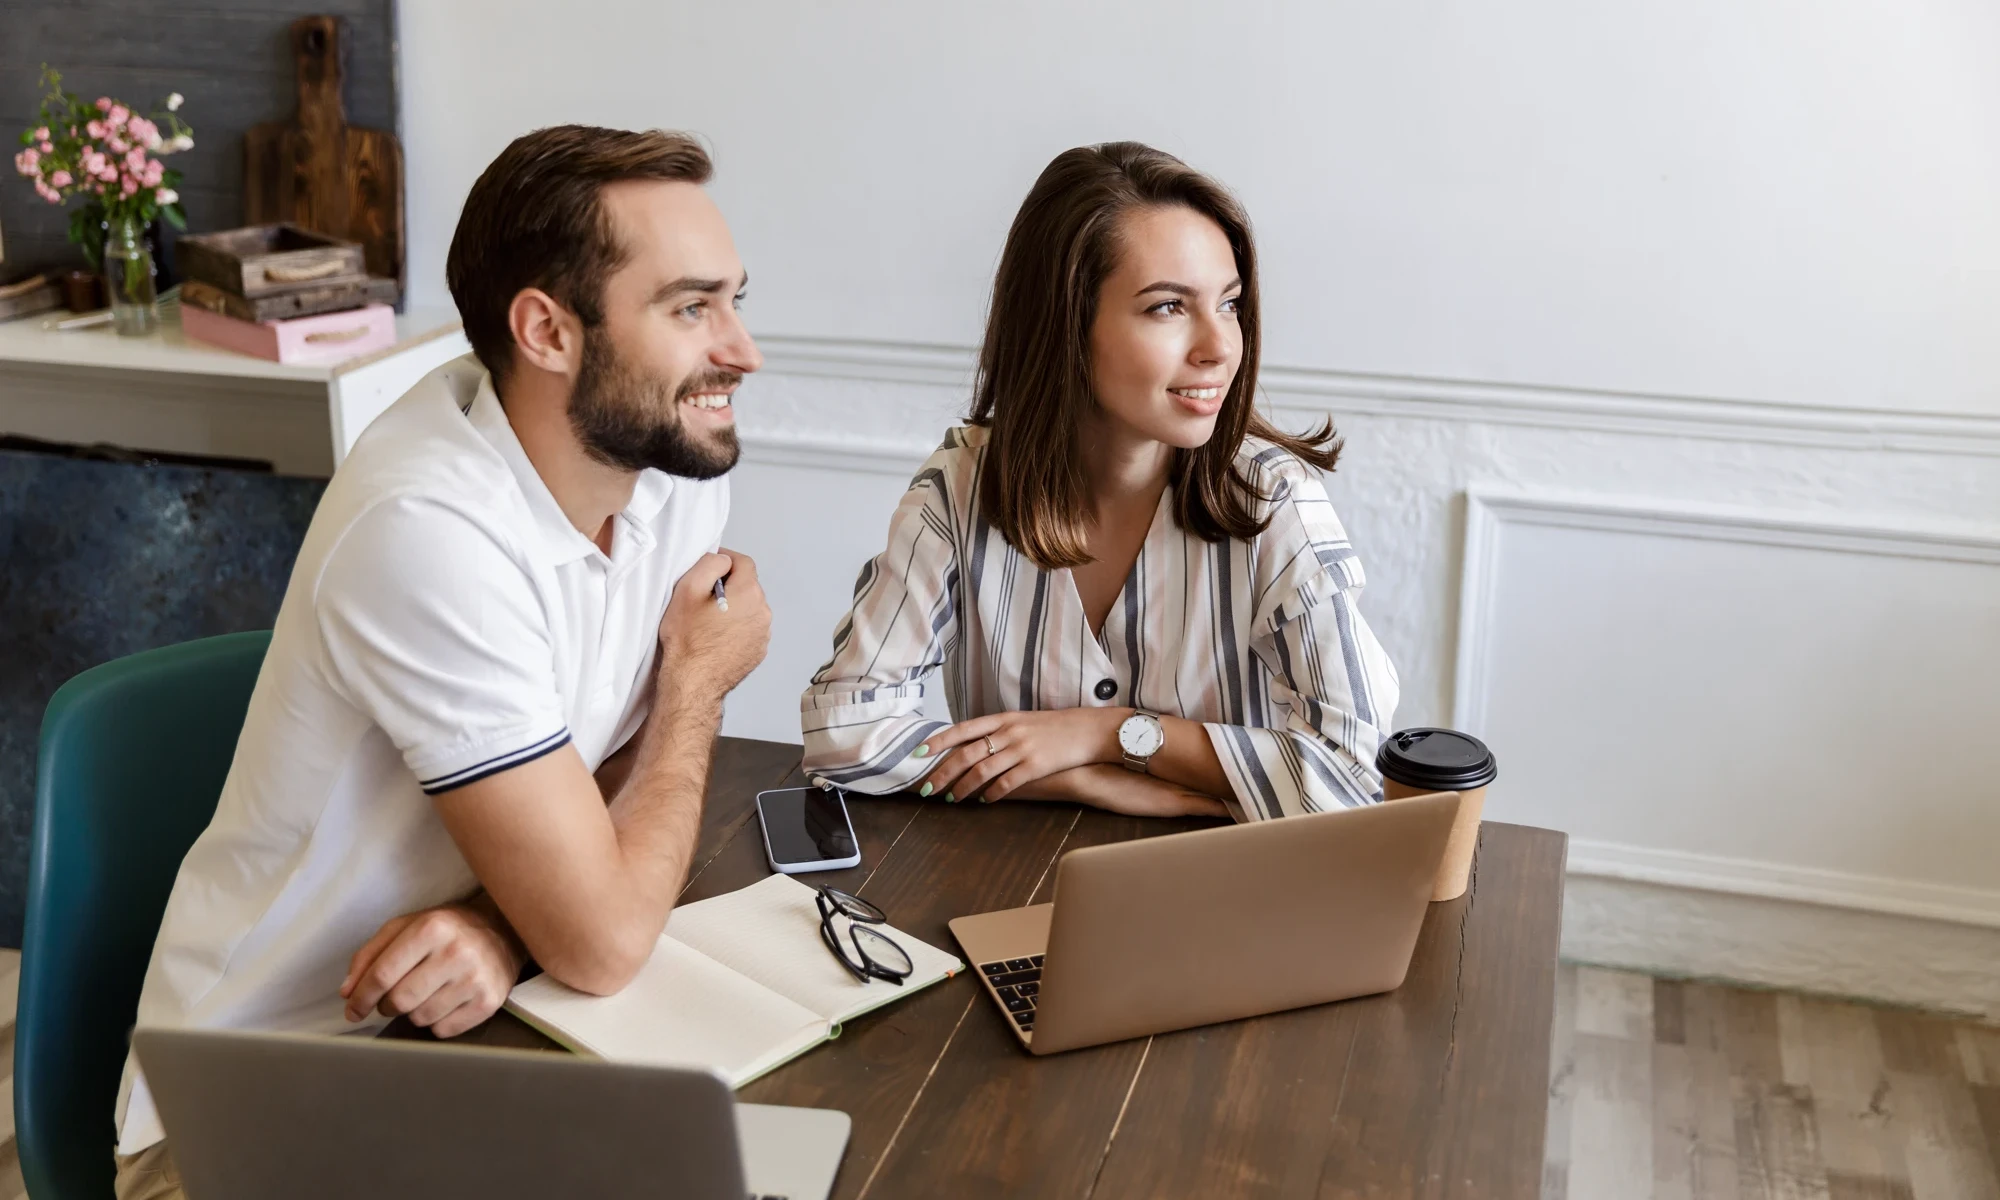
1775	881
1787	944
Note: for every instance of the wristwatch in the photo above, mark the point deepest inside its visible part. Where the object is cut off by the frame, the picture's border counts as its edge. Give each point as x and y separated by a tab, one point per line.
1140	737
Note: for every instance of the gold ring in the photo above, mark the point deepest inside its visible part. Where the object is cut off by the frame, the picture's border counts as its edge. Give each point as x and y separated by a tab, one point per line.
989	745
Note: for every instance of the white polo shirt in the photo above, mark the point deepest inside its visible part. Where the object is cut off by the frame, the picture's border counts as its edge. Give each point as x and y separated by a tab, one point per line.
444	621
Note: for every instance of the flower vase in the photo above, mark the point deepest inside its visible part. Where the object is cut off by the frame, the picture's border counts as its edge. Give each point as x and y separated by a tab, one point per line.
128	277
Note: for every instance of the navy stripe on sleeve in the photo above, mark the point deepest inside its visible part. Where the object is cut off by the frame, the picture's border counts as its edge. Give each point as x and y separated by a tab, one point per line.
495	765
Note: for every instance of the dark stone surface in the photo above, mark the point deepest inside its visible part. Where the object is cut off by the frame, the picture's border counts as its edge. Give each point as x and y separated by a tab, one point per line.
101	559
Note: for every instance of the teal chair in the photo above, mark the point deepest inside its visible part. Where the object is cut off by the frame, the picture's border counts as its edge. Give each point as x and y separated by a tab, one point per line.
133	755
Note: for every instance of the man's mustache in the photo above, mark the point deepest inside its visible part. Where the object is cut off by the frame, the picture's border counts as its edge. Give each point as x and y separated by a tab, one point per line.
706	381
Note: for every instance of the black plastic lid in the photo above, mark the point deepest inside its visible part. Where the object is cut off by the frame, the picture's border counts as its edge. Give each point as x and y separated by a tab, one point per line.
1443	760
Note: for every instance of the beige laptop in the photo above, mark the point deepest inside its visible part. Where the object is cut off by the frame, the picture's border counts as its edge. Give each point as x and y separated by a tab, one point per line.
1187	929
251	1116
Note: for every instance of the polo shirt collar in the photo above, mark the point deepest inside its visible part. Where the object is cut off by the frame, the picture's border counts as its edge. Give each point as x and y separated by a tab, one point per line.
561	541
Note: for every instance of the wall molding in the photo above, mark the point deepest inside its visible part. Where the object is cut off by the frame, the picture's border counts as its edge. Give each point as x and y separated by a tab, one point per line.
1312	392
871	456
1777	881
1488	508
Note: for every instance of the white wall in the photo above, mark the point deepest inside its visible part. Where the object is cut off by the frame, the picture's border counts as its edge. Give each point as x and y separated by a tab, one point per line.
1784	200
1710	267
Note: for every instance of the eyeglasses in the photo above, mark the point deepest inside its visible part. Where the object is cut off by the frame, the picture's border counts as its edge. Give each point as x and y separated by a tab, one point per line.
873	955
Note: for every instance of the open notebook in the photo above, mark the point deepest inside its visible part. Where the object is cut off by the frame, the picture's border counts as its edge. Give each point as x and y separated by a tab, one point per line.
739	983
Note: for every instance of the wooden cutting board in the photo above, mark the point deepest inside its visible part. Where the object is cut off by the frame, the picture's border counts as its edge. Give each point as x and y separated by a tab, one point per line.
318	171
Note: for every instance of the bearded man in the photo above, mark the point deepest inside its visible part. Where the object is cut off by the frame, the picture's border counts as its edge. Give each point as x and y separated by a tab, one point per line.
482	731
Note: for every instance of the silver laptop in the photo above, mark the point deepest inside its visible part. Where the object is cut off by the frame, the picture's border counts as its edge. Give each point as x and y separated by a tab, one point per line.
250	1116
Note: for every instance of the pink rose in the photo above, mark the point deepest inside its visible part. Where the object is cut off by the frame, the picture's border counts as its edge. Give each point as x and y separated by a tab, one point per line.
144	132
42	134
118	114
108	173
48	193
26	161
135	162
48	147
60	179
116	144
155	171
128	187
104	104
95	129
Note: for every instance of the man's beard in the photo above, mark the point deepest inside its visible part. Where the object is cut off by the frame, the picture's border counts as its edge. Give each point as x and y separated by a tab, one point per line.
633	421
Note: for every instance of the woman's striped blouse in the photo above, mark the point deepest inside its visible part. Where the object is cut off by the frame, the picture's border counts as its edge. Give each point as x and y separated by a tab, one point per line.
1259	640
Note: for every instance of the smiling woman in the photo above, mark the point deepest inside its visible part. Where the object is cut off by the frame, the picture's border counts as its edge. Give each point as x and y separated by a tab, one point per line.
1136	588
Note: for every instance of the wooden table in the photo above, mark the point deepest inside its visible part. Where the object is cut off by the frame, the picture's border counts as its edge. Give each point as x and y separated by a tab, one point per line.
1439	1088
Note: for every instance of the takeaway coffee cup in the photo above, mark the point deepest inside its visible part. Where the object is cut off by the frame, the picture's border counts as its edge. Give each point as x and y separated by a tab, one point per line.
1417	762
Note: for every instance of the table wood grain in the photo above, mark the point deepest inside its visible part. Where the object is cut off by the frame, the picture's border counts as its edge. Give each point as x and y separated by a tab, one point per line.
1437	1089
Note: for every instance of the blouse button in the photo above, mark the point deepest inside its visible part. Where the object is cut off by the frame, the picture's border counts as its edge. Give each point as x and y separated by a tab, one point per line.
1107	688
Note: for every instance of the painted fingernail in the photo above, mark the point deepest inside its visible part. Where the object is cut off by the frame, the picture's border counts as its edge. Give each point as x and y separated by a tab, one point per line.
924	790
950	799
986	799
922	750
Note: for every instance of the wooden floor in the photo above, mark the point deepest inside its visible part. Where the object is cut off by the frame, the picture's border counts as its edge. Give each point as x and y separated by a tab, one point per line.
11	1187
1692	1091
1696	1091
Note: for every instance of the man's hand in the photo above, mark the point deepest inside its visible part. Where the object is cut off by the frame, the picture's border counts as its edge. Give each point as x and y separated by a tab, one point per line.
1116	789
1027	746
449	968
704	650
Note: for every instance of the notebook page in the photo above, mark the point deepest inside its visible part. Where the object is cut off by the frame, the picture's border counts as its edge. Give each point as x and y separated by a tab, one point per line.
683	1009
769	931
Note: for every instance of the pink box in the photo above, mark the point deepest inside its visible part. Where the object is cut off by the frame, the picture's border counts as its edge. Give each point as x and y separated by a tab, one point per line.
324	338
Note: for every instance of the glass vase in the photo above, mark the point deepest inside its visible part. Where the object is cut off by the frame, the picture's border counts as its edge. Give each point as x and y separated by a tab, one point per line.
128	277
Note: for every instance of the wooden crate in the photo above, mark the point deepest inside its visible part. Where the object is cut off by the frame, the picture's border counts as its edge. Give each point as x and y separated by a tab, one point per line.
263	260
282	306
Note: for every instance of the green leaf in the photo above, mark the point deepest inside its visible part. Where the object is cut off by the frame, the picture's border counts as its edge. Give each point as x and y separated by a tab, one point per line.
174	216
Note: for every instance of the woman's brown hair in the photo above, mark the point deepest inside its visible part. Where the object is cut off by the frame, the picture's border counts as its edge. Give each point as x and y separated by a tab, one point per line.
1033	387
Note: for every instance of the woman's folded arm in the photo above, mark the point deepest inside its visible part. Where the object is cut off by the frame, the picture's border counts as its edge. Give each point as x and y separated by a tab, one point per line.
862	716
1329	673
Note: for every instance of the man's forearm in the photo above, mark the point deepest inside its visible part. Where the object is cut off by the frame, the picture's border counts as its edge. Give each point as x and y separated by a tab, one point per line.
657	813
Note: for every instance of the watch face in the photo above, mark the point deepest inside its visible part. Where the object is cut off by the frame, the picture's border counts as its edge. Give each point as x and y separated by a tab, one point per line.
1140	736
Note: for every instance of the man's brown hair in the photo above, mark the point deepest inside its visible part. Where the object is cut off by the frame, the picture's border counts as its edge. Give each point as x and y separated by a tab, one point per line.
533	220
1033	388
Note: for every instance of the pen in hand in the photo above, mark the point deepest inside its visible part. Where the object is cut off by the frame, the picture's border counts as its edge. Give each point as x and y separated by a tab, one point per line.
721	597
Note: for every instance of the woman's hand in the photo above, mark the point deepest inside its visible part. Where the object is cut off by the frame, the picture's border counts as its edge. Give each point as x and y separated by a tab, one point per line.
1116	789
993	756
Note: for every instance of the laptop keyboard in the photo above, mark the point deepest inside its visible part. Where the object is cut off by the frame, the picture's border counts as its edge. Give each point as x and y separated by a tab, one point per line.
1018	982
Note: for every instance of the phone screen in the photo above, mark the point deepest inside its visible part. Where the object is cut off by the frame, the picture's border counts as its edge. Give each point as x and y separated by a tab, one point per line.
806	825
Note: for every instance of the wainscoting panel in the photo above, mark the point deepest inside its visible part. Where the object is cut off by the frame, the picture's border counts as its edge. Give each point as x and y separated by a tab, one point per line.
1740	701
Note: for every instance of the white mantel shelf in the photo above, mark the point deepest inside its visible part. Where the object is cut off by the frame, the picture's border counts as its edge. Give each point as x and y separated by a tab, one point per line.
164	392
36	340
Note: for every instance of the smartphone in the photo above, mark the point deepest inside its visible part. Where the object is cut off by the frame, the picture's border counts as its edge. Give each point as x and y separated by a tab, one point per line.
806	829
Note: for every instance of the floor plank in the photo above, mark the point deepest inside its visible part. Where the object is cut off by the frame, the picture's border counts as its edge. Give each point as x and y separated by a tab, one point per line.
1835	1050
11	1185
1694	1125
1777	1143
1918	1043
1860	1187
1739	1024
1943	1143
1979	1053
1614	1003
1611	1128
1562	1087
